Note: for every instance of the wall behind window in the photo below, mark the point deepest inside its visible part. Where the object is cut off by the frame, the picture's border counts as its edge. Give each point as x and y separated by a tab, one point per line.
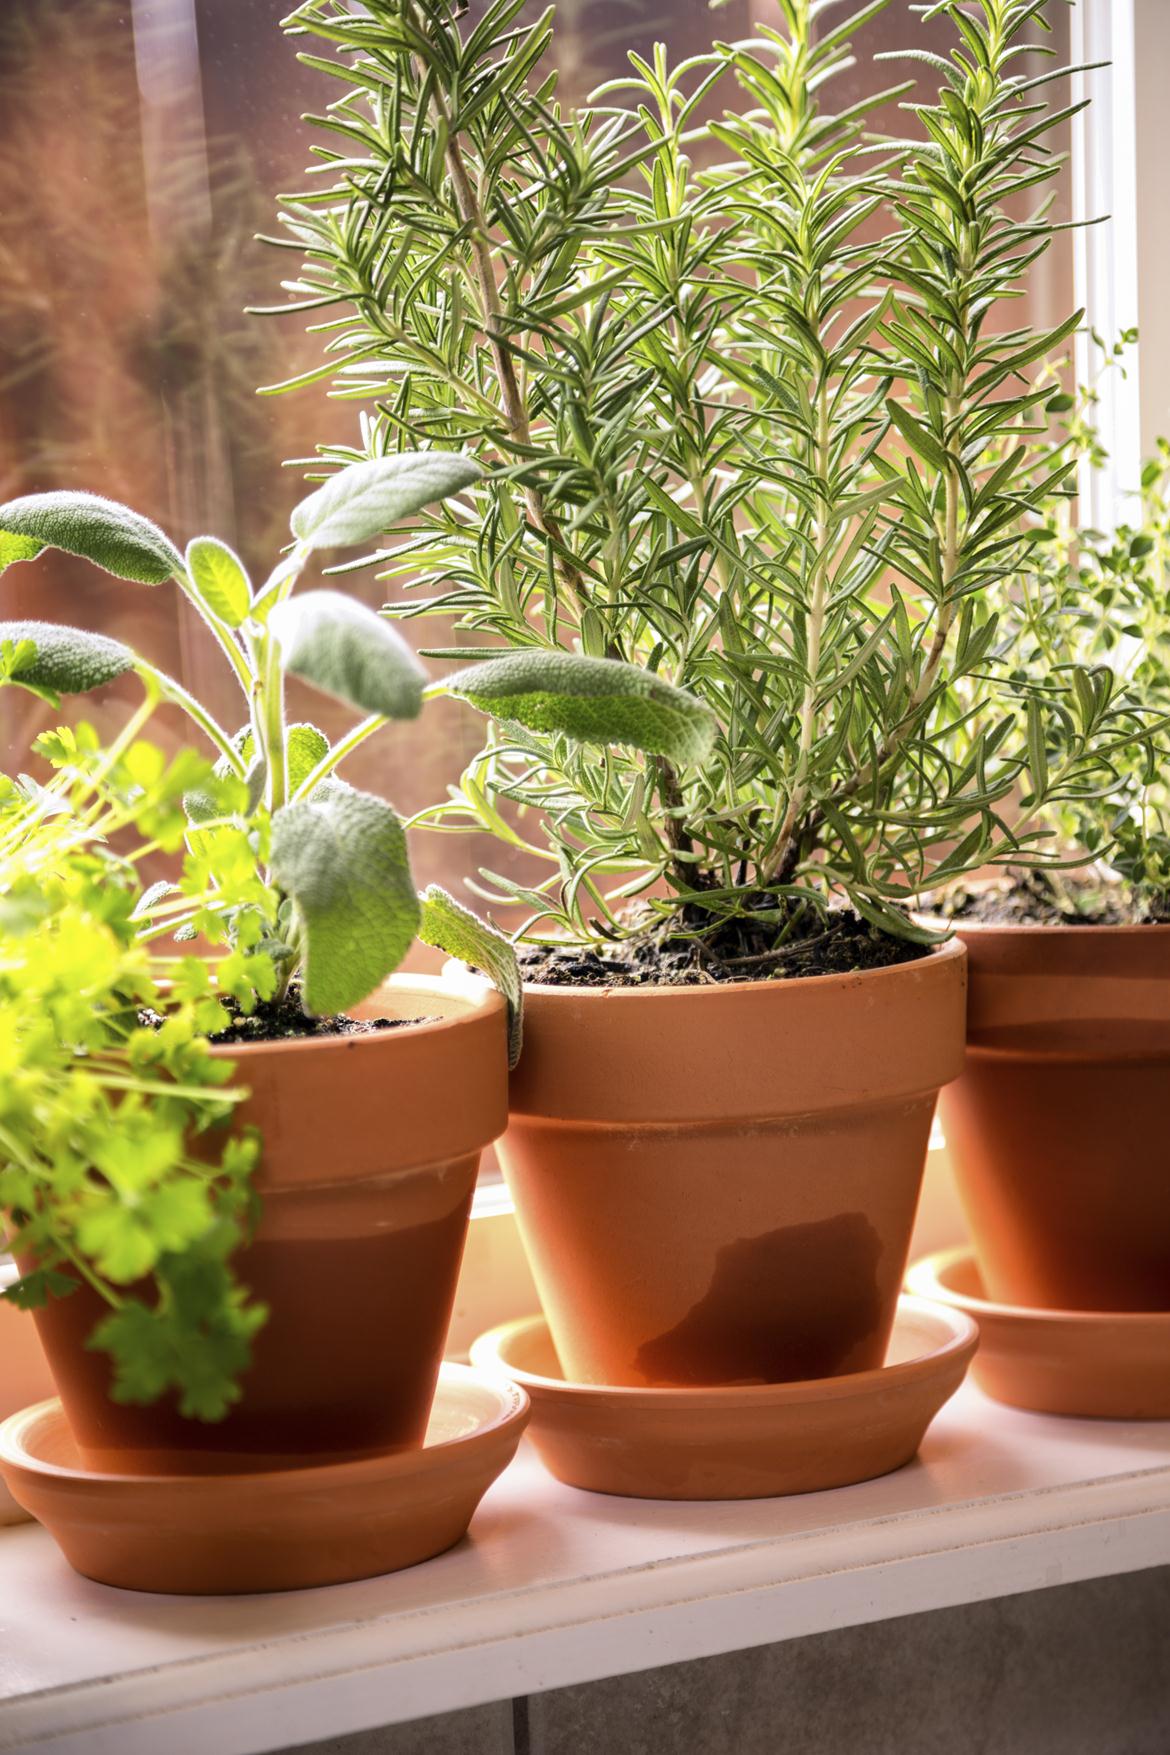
142	143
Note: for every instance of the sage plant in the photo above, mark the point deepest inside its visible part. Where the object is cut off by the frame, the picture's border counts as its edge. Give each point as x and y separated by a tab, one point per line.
298	872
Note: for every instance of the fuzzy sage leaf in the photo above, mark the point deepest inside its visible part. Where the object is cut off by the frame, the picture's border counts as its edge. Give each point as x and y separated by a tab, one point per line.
359	503
305	746
218	576
450	927
341	856
52	660
597	700
347	651
111	536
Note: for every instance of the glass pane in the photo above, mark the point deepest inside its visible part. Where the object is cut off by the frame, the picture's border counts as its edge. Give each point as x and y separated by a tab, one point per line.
141	146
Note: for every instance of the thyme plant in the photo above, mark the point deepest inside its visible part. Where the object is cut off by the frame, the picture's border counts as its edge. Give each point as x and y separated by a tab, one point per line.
1123	579
1083	659
759	425
112	1175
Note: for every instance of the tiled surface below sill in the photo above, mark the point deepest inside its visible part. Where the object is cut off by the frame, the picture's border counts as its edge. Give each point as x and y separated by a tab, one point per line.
1083	1669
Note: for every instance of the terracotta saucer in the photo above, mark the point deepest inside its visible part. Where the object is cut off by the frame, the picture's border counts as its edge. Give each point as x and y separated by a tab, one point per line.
749	1441
280	1529
1109	1364
24	1375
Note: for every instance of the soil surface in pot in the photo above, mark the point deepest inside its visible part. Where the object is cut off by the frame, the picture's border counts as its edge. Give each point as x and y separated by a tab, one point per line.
278	1019
1037	899
753	946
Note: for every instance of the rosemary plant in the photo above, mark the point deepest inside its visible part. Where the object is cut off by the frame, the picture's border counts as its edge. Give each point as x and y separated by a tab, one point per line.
759	427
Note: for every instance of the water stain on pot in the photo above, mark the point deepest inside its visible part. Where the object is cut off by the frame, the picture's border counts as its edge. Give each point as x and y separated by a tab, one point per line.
794	1303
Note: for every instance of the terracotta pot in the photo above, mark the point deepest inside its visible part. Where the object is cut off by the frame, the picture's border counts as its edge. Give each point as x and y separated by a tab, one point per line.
718	1184
1059	1129
1095	1364
742	1441
371	1146
24	1373
284	1529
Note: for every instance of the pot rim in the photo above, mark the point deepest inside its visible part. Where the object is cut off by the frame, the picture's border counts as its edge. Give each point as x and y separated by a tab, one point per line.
930	1270
952	948
512	1405
474	997
963	1337
1036	929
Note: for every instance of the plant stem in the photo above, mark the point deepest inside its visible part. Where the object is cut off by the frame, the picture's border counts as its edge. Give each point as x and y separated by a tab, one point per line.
927	677
514	407
221	633
787	840
174	692
272	714
98	1285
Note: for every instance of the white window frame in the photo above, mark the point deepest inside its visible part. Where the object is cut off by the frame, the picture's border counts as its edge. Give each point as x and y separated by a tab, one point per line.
1105	250
1120	150
1149	90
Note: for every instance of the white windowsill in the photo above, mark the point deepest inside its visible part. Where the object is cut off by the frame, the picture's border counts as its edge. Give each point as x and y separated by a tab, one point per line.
557	1586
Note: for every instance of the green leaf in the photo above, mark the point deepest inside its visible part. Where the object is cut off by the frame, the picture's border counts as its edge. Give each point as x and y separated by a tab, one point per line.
892	920
218	576
17	548
360	502
218	797
306	747
33	1290
919	437
111	536
195	1340
598	700
341	855
347	651
450	927
1037	753
55	660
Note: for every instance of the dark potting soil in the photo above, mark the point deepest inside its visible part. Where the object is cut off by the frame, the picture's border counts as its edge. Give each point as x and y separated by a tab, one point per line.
1036	899
280	1019
738	949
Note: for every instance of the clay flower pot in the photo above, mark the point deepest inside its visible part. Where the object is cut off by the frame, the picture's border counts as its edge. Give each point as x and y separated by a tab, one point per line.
371	1147
1059	1129
266	1530
1090	1364
718	1184
24	1373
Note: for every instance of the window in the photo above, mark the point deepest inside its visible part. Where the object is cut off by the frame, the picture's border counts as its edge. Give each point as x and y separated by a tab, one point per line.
142	145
